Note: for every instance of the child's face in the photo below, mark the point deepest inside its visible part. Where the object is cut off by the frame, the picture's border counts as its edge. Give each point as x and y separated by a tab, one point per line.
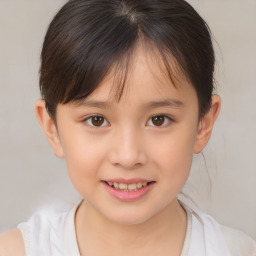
125	144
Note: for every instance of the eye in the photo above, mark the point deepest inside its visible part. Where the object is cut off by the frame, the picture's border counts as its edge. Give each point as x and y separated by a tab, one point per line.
159	120
96	121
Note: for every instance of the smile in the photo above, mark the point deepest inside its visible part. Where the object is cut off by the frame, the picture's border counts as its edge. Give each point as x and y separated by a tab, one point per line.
125	190
127	187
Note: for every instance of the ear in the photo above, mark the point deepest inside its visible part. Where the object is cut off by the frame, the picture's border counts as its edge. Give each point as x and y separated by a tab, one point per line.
206	125
49	127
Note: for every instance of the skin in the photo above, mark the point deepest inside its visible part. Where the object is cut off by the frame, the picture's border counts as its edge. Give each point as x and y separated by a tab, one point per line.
129	145
11	243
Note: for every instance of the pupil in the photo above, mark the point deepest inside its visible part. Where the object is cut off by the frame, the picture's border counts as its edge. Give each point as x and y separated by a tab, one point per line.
158	120
97	120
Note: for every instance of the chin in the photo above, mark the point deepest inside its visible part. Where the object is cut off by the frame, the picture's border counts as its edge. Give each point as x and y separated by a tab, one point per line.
128	217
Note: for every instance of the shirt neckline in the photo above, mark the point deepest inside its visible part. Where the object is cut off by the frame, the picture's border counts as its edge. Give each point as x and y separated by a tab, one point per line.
70	237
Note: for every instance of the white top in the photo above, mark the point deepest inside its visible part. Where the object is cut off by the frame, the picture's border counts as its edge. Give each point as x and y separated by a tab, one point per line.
53	234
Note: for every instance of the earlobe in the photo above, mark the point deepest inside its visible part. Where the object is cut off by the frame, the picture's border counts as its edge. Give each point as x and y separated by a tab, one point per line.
206	125
49	127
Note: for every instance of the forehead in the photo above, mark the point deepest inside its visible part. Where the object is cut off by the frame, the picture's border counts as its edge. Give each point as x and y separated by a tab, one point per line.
143	76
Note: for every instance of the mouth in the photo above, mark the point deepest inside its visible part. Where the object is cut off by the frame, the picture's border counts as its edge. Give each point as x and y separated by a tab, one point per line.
128	187
128	190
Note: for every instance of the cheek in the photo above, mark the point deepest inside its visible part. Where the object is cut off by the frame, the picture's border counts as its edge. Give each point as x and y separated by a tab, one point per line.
84	157
173	156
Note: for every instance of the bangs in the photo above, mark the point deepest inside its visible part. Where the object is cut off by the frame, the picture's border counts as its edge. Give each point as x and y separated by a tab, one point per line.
89	39
120	71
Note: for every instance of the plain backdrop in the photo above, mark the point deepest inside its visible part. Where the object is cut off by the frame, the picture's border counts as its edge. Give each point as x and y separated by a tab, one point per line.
223	178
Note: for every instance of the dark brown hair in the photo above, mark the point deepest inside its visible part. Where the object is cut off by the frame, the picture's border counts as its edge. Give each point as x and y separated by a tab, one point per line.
88	37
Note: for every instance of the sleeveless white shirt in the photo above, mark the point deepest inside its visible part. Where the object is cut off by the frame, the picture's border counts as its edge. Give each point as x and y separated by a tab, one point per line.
53	234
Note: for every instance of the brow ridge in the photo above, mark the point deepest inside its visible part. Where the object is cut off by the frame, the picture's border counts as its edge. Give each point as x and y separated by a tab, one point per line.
169	102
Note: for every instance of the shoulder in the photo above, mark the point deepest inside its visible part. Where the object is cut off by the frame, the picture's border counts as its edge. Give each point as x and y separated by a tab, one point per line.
11	243
233	242
239	243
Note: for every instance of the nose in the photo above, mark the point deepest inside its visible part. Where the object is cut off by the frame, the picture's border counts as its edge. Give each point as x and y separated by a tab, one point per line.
127	150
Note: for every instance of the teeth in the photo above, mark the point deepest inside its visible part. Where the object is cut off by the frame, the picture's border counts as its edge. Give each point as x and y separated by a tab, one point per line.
127	187
139	185
132	186
123	186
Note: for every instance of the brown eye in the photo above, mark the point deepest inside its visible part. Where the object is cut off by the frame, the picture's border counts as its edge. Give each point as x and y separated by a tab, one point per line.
158	120
161	121
96	121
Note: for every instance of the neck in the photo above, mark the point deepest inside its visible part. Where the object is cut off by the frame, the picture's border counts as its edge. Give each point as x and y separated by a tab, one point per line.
164	231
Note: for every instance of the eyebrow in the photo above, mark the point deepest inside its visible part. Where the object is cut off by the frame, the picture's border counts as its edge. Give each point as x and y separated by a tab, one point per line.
150	105
94	104
164	103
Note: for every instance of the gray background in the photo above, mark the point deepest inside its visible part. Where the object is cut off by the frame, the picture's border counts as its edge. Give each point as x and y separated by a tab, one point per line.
30	176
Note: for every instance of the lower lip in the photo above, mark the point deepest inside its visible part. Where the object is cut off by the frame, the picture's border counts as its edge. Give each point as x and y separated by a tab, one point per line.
128	195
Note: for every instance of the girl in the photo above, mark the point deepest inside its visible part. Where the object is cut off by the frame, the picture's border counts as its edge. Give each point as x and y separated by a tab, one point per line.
127	99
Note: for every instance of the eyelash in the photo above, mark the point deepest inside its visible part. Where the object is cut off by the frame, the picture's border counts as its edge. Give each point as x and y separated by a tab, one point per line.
166	117
90	118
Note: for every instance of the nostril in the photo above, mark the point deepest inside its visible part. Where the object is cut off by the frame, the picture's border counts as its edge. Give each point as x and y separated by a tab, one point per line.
127	152
128	166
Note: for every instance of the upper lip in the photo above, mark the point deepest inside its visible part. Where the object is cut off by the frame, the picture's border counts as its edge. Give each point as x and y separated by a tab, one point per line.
127	181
